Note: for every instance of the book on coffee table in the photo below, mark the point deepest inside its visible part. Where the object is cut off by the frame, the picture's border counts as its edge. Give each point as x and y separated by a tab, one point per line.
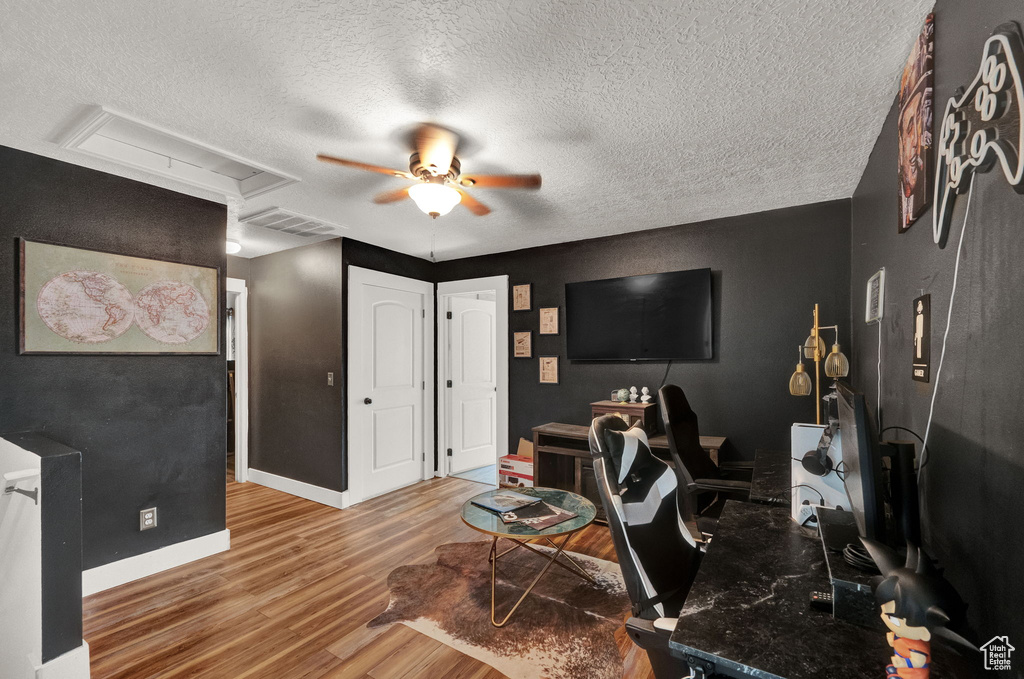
506	501
538	516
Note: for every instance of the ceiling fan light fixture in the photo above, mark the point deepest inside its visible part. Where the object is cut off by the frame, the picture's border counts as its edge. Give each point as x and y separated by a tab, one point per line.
434	199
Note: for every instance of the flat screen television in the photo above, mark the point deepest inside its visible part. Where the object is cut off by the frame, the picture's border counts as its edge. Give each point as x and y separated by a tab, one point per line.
656	317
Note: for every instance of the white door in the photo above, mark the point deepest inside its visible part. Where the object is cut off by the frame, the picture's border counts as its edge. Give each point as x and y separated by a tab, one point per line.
387	381
473	374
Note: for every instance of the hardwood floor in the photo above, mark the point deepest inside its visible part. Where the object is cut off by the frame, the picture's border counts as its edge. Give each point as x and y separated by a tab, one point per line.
292	597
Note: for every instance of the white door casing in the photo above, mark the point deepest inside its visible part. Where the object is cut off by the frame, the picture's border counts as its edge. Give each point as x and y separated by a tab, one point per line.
472	398
498	285
390	380
237	285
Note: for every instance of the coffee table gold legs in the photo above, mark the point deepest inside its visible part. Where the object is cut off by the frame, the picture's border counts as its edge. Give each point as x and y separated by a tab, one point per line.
493	557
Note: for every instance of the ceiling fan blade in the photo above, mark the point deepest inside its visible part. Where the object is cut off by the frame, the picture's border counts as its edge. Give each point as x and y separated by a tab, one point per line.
472	204
436	146
364	166
501	181
391	196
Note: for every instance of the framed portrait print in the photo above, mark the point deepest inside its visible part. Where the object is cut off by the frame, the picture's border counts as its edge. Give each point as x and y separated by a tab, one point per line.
521	297
549	320
915	163
522	344
549	370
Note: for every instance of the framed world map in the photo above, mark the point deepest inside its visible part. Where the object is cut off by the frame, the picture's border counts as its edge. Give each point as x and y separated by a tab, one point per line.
79	301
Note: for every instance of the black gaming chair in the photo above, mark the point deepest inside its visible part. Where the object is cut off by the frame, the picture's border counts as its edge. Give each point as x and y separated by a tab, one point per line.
703	480
657	554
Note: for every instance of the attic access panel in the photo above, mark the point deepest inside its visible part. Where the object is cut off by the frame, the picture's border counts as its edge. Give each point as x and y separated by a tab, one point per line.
132	143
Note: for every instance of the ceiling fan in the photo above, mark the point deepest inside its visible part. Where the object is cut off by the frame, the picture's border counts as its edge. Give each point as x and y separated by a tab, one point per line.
436	169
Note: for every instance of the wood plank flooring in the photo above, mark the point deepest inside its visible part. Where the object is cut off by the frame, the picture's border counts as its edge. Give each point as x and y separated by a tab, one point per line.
292	597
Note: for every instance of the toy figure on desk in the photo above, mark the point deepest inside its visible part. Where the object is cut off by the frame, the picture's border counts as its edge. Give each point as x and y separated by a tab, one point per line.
916	603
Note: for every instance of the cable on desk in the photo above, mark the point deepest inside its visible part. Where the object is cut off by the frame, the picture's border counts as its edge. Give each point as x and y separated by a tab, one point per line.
858	557
799	485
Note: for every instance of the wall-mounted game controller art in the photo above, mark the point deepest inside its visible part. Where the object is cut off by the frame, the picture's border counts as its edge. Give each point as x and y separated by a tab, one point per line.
981	126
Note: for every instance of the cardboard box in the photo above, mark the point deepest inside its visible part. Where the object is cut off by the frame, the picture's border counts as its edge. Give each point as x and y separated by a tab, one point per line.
515	471
525	449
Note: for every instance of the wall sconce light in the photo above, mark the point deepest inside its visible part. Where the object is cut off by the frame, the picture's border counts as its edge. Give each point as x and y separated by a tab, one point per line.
800	382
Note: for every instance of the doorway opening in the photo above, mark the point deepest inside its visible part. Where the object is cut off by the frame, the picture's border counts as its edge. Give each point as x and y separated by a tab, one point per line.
236	334
473	377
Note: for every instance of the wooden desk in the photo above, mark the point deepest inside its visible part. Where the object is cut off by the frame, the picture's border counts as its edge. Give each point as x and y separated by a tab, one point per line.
561	458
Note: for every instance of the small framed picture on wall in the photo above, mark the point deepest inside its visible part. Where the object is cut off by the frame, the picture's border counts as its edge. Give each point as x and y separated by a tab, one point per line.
521	297
549	320
549	370
522	344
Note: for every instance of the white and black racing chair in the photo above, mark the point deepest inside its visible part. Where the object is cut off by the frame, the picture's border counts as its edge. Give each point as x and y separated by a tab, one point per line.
657	553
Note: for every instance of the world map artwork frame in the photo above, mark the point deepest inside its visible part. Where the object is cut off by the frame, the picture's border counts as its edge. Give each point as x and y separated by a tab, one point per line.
84	301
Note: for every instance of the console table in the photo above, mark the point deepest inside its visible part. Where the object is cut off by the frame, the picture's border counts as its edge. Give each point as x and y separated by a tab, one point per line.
561	458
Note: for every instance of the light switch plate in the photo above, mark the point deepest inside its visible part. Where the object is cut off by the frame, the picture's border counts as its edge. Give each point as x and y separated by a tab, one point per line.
330	379
147	518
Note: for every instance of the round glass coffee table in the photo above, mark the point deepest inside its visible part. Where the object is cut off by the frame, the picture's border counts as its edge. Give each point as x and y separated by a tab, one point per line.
490	523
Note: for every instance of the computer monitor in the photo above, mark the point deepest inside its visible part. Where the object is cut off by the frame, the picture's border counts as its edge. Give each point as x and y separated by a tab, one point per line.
862	464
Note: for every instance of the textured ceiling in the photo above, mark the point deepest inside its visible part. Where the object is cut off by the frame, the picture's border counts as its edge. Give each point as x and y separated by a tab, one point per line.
638	114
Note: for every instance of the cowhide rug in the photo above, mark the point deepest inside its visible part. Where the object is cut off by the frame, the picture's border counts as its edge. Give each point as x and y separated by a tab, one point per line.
563	630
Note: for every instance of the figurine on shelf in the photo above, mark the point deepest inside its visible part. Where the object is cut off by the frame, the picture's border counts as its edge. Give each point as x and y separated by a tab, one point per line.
916	603
623	394
646	397
632	394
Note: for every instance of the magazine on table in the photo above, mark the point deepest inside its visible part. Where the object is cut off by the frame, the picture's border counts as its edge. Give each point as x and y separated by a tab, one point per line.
538	516
506	501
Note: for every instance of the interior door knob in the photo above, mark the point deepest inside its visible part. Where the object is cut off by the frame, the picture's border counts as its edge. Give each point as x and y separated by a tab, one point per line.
367	400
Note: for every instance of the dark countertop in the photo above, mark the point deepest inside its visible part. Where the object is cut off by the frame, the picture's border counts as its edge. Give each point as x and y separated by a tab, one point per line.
771	480
748	611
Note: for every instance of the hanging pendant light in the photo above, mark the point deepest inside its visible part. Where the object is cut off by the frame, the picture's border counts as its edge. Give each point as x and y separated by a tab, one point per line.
814	345
800	382
837	365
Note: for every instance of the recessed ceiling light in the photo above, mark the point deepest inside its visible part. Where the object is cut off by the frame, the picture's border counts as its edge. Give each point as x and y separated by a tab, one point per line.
232	246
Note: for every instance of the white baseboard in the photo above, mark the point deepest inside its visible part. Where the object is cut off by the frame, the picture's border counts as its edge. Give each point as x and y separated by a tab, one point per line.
135	567
324	496
72	665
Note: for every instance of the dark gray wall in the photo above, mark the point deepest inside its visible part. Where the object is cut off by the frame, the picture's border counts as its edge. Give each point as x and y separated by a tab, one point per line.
238	267
971	507
295	339
151	429
768	270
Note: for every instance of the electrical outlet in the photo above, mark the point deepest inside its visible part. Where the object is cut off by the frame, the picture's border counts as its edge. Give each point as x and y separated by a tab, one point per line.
147	518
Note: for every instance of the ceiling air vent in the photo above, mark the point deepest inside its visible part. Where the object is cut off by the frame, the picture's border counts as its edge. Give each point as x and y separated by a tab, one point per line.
286	221
124	140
